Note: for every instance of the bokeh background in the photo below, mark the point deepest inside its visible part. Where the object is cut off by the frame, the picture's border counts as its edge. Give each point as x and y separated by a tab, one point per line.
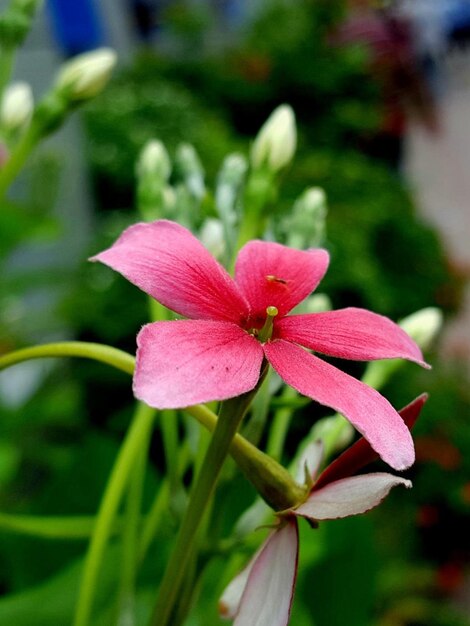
382	98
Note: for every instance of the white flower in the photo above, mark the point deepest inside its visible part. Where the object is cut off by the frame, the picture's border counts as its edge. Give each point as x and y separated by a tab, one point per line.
86	74
17	106
276	141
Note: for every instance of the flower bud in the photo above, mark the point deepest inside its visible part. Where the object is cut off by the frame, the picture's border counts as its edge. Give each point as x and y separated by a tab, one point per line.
154	161
423	326
276	141
86	75
191	169
212	236
17	106
305	226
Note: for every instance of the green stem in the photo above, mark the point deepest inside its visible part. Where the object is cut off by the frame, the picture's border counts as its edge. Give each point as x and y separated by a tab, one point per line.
156	515
17	158
231	414
273	482
79	527
259	191
130	449
96	351
169	426
280	426
130	536
7	57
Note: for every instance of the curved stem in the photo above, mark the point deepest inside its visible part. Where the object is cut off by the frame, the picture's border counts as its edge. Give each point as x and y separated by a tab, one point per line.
17	158
77	527
231	414
130	449
96	351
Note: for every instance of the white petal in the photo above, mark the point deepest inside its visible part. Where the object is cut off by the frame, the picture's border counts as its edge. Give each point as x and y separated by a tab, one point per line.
269	590
349	496
229	602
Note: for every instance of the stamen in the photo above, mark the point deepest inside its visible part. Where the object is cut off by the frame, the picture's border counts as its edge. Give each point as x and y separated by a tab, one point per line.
274	279
266	332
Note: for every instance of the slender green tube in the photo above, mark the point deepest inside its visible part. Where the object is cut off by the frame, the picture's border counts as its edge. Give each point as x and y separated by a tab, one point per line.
130	536
95	351
231	414
48	527
129	451
17	158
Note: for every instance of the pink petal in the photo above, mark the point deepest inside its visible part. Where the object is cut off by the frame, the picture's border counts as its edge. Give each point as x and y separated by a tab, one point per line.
187	362
360	453
372	415
269	590
270	274
166	261
229	602
350	334
349	496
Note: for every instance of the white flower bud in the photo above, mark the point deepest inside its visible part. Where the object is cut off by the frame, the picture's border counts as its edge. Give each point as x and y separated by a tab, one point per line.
276	141
154	161
86	75
17	106
423	326
212	236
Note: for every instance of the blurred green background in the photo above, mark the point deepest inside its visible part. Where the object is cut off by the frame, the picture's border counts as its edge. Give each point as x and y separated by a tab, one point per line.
405	564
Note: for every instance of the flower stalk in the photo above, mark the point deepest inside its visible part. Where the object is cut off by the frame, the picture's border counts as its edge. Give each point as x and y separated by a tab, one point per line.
231	414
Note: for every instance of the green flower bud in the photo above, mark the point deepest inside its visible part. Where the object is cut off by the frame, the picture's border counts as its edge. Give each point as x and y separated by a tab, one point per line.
154	161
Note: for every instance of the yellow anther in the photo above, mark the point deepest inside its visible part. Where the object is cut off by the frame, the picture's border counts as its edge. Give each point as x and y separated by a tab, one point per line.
274	279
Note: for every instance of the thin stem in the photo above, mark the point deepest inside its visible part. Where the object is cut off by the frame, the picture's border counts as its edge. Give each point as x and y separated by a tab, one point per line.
258	192
130	449
280	426
156	515
7	58
130	536
96	351
231	414
169	426
168	418
79	527
17	158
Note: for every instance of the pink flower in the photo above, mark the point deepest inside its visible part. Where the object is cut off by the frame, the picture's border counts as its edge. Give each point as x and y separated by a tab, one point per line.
262	593
217	353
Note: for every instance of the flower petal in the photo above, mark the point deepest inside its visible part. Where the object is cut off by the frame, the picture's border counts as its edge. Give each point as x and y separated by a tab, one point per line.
187	362
372	415
269	590
349	496
270	274
360	453
166	261
350	334
229	603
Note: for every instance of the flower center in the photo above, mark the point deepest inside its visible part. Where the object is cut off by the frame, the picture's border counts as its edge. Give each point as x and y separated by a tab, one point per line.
267	330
